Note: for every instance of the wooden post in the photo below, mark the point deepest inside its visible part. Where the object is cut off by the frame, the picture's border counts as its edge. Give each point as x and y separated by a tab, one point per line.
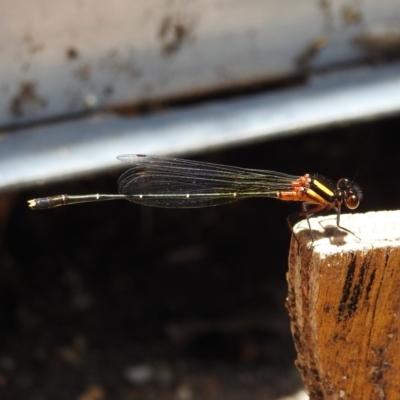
344	304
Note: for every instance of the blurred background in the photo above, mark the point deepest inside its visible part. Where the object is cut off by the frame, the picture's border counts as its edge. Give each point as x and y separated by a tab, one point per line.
117	301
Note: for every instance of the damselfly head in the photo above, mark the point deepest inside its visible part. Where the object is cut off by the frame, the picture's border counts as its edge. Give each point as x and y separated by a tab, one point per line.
350	193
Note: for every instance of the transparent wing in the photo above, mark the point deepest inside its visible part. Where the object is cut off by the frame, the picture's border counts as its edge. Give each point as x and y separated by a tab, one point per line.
177	183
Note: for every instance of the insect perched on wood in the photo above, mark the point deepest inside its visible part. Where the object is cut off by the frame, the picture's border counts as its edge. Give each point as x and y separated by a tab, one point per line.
176	183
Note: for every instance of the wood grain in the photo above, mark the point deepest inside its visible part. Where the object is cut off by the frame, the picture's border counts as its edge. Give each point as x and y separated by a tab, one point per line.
344	304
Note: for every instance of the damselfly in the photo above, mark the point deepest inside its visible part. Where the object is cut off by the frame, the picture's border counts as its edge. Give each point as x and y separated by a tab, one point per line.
176	183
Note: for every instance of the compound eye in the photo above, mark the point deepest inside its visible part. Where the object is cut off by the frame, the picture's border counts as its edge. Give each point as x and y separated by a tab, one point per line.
343	184
352	202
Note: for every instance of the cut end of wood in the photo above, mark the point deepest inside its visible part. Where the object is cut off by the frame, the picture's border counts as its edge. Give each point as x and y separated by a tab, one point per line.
363	231
344	304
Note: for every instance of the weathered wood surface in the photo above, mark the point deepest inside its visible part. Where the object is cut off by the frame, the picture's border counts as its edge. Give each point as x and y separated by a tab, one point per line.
344	304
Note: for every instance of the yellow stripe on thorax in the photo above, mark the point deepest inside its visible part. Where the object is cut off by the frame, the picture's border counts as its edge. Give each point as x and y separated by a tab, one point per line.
313	197
322	187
